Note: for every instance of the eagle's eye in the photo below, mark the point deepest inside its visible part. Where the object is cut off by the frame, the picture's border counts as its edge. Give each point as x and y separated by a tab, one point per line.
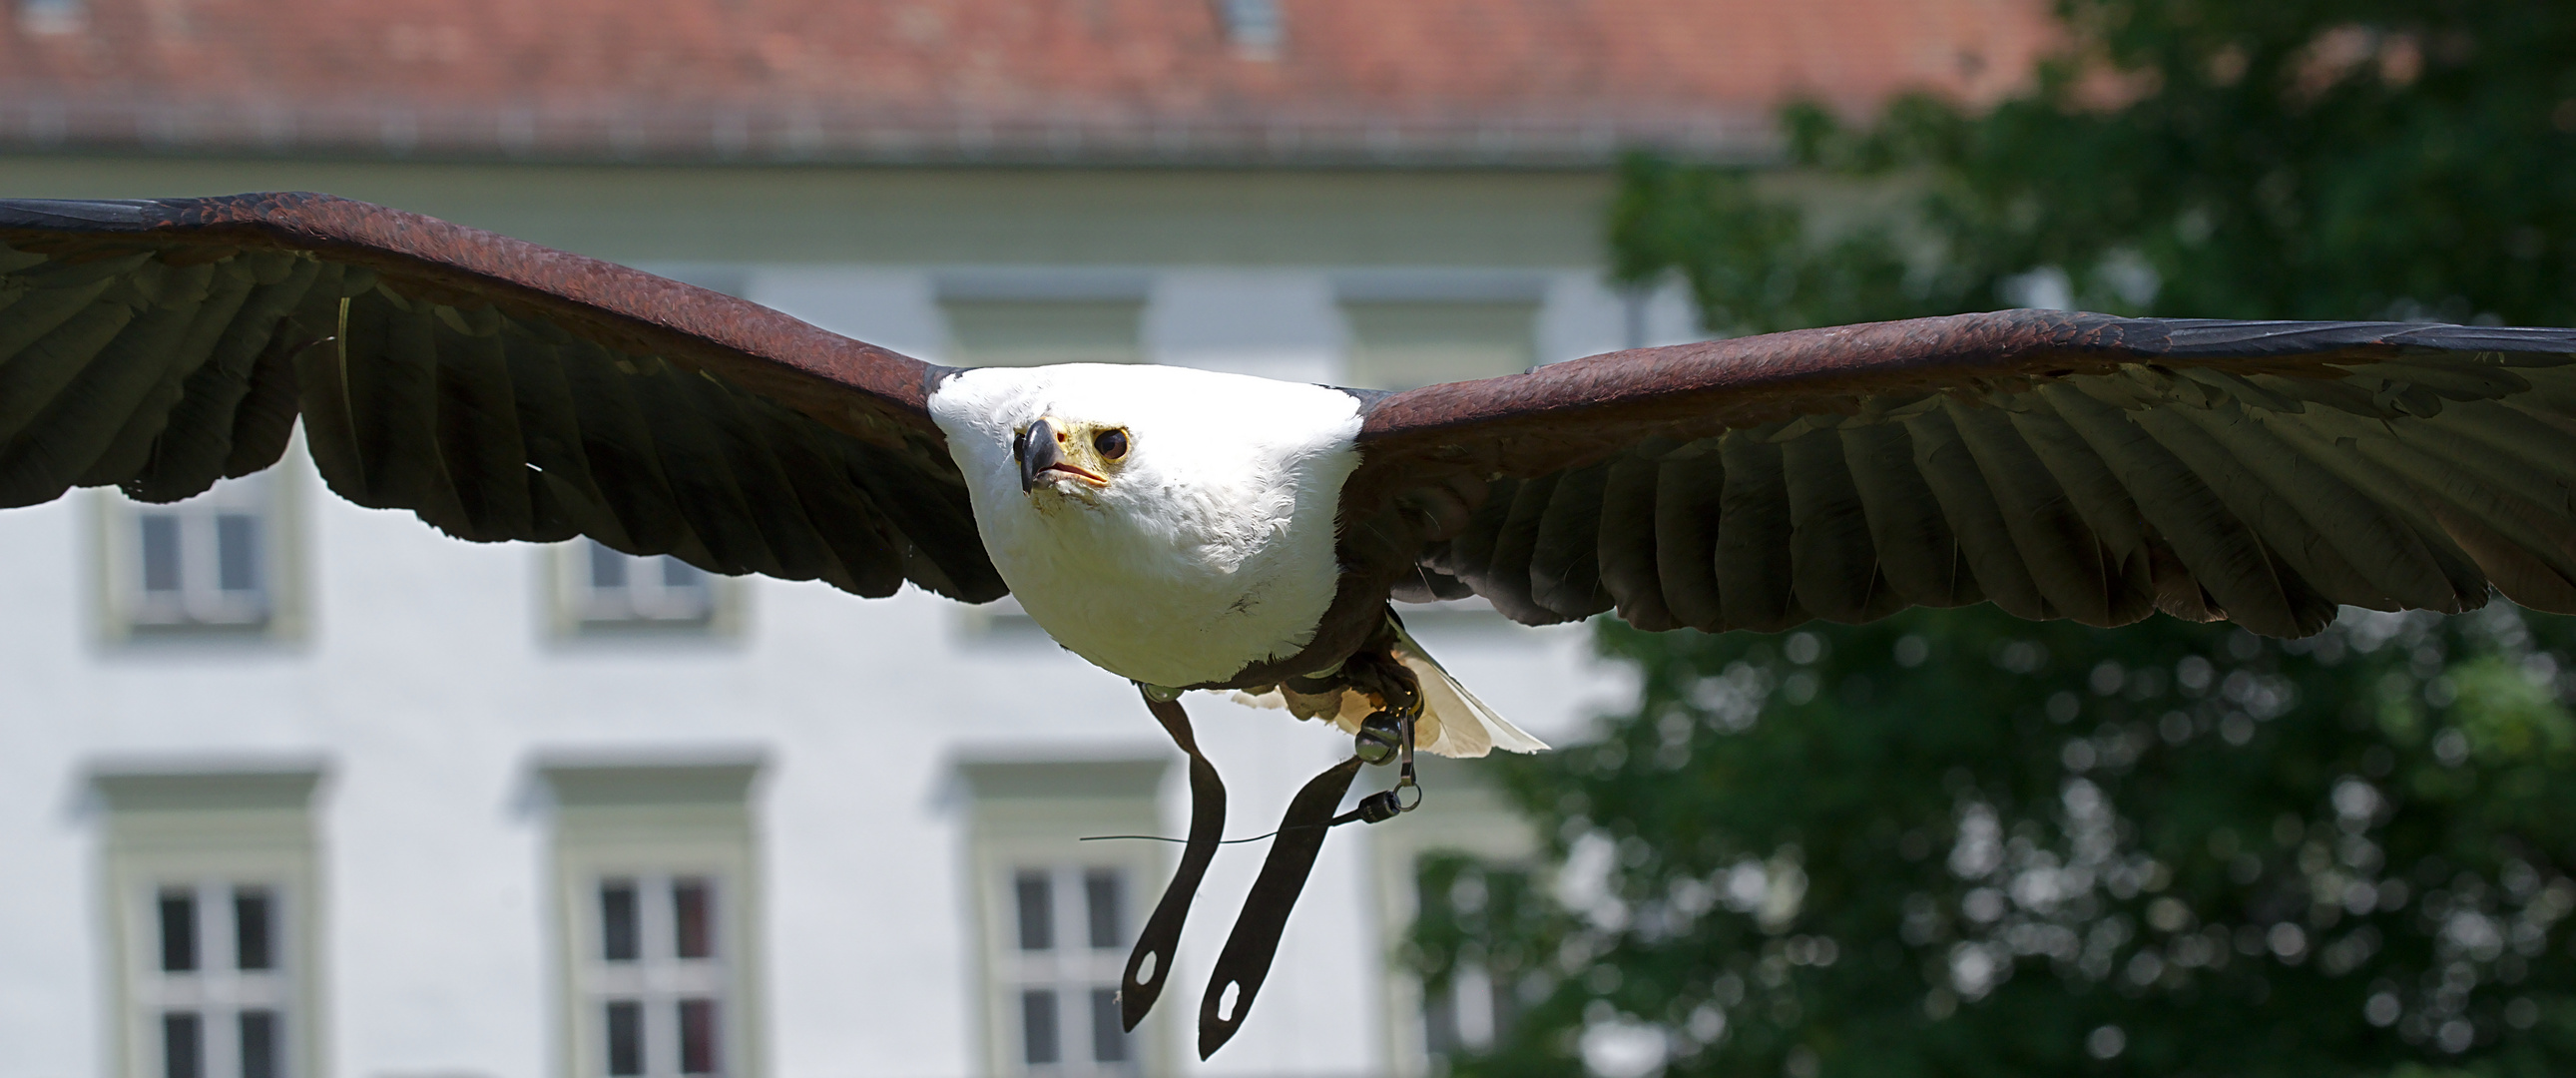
1111	443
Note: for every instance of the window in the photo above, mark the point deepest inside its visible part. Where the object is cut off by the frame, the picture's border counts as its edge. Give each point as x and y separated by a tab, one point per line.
211	878
1071	933
657	975
52	16
213	563
601	590
1060	915
1252	24
1004	332
1402	344
653	866
216	989
621	587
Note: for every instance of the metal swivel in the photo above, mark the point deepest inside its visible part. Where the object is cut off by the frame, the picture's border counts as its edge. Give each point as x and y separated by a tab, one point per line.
1380	738
1385	737
1380	807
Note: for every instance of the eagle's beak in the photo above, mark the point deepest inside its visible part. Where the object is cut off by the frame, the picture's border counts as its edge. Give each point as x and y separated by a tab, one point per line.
1044	449
1038	452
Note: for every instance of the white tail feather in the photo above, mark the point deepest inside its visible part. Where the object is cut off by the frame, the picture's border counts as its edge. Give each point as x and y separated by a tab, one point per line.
1455	722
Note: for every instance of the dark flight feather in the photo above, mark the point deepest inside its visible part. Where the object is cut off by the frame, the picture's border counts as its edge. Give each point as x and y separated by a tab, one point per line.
2063	554
1626	540
1756	580
1917	554
1565	567
1985	539
1690	485
1833	561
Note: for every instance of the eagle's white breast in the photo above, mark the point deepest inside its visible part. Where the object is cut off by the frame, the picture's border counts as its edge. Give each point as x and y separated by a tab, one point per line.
1210	547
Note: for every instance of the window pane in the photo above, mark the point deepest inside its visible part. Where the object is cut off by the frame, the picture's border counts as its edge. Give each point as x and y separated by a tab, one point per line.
237	552
689	901
252	917
625	1038
259	1044
618	937
685	594
160	551
1108	1041
1037	1027
607	568
178	931
1101	895
181	1056
1037	911
697	1036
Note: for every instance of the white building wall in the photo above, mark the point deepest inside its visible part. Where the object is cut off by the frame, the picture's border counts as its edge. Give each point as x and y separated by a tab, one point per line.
428	684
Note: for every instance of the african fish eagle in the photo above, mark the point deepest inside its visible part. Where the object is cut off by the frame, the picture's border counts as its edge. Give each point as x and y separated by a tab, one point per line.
1194	530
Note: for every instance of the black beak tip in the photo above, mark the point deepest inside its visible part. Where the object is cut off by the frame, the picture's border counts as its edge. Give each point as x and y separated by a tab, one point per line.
1037	452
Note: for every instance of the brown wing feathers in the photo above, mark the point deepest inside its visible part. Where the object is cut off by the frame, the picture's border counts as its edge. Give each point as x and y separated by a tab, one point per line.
2069	466
496	389
2059	465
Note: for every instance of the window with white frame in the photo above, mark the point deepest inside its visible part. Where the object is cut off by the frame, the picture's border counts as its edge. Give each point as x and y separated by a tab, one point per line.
1060	915
653	870
599	589
217	561
211	878
216	983
657	974
1068	946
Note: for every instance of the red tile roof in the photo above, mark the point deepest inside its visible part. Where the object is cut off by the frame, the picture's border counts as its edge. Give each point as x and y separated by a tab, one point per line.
1530	82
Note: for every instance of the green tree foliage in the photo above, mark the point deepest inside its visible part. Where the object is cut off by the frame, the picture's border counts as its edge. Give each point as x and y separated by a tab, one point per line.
2298	159
1955	843
1958	843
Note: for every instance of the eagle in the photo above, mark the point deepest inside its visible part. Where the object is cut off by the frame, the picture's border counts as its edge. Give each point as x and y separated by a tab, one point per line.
1192	530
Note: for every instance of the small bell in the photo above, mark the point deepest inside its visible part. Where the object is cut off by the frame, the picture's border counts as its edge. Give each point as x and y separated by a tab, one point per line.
1380	736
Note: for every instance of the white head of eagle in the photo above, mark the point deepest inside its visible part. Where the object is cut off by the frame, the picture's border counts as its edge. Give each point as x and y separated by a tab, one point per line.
1170	525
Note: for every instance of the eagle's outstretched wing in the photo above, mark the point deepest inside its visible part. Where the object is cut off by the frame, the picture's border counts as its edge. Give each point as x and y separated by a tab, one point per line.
499	389
2058	464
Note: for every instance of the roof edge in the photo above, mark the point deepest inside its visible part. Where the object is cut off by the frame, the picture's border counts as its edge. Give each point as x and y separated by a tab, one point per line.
794	134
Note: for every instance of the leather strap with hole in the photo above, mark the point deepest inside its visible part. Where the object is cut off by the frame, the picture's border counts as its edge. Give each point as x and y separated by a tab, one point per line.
1162	933
1248	952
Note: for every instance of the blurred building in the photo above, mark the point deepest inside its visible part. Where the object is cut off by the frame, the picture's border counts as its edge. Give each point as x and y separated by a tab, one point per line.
292	789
